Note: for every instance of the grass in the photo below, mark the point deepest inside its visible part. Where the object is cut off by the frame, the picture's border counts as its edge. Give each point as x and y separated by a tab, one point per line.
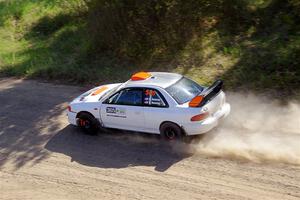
252	45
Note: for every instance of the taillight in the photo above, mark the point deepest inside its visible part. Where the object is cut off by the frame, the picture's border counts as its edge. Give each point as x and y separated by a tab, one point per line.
200	117
195	102
69	108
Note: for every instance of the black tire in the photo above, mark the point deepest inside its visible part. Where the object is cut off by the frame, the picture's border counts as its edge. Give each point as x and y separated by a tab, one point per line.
88	123
171	131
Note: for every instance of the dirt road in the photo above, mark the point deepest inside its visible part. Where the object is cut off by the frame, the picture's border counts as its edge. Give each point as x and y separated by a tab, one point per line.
41	157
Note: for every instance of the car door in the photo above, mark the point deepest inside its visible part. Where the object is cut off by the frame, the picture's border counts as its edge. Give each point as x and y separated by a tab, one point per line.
124	110
155	109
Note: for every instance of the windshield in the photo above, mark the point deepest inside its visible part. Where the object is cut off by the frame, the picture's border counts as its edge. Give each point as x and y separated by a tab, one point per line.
111	91
184	90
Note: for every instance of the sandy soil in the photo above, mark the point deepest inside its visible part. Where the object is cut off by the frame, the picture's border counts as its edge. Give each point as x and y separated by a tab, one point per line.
42	157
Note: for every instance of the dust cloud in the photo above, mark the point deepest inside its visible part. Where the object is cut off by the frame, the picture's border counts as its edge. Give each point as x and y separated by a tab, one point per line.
257	129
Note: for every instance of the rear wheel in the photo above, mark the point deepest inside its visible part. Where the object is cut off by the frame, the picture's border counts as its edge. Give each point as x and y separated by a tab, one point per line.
171	131
87	123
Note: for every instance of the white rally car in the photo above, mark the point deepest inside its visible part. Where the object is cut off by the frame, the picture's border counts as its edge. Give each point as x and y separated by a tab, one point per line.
154	102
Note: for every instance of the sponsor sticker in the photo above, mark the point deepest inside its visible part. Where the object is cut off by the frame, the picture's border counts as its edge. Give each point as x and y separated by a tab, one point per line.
116	112
111	110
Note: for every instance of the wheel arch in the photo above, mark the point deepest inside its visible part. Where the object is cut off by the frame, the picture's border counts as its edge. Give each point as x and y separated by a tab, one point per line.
84	112
182	129
90	114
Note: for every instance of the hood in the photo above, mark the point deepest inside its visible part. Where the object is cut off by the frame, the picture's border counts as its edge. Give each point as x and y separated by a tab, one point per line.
96	93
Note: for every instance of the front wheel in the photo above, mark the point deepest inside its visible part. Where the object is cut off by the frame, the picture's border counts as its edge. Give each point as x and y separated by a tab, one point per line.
87	123
171	131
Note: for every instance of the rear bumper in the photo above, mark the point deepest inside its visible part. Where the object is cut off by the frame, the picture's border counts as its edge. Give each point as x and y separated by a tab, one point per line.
196	128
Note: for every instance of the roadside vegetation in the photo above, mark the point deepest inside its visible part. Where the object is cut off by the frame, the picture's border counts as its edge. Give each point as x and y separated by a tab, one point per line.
252	45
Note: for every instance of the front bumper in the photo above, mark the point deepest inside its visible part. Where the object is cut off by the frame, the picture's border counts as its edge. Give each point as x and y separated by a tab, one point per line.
72	118
196	128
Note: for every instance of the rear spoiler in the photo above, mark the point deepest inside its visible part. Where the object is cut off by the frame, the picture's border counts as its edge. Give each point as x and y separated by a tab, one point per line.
206	95
211	92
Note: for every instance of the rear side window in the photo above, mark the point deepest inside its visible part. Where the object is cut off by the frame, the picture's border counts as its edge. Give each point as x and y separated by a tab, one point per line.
127	97
184	90
153	98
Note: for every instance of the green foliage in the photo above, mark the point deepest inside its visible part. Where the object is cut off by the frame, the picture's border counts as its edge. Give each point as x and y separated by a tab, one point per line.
250	44
154	29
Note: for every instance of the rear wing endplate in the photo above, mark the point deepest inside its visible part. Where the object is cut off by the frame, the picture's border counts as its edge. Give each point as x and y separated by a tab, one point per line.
211	92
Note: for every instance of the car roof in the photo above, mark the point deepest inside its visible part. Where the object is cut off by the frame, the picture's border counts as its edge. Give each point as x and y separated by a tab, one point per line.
160	79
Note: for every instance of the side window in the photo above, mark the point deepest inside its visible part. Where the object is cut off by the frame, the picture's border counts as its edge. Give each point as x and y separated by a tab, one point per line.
153	98
127	97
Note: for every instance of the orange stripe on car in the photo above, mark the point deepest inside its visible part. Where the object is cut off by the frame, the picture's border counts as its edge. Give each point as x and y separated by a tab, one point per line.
98	91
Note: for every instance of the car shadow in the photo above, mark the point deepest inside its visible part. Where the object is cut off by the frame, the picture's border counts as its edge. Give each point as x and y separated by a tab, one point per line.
115	149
